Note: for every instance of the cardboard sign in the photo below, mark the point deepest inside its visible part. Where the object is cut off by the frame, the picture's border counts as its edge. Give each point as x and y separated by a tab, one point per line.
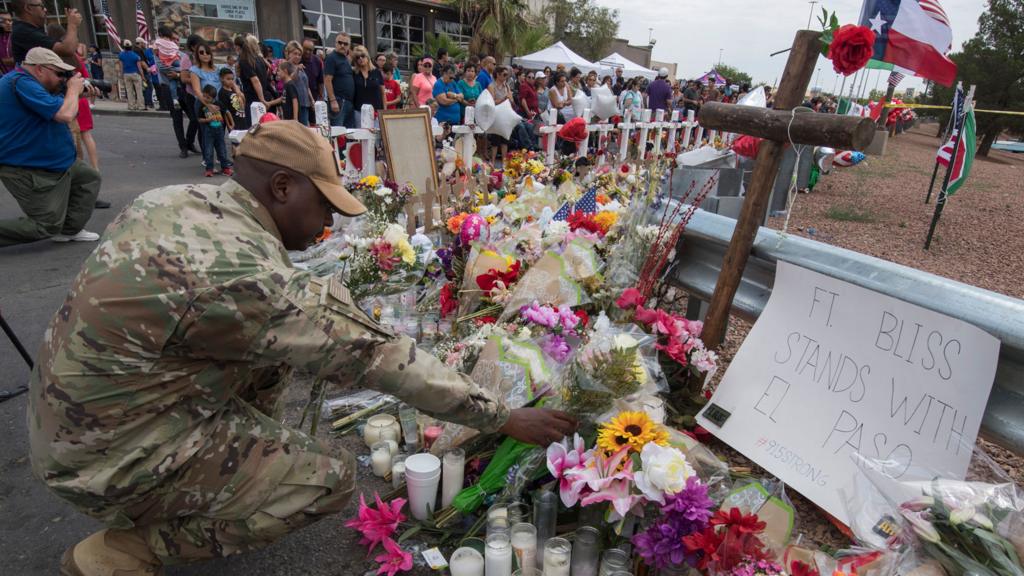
831	368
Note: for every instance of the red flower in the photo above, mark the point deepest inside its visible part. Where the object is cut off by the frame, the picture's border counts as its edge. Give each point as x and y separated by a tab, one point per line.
799	568
585	221
675	351
485	320
736	519
487	281
851	48
449	302
584	319
630	298
707	544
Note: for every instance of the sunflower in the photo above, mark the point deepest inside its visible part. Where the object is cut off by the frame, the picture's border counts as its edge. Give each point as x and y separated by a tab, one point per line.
632	430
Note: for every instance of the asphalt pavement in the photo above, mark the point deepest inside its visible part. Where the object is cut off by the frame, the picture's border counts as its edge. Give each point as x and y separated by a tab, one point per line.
136	154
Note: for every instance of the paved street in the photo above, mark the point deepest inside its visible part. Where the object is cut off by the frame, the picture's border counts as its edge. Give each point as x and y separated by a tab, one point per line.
136	154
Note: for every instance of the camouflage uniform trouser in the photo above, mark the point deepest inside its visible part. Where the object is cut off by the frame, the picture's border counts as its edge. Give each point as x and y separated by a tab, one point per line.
254	481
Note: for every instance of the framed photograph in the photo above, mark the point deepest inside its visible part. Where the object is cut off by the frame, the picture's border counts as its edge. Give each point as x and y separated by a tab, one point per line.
409	147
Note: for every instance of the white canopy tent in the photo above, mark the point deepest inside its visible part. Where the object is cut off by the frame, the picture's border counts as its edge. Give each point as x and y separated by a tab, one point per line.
630	69
558	53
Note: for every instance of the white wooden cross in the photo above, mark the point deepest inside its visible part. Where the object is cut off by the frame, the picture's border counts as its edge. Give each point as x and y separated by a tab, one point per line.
657	125
689	124
256	111
603	140
551	130
625	127
584	146
673	126
366	134
700	136
645	126
468	132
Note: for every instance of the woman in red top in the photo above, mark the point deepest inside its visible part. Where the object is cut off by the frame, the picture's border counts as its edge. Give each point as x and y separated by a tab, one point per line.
528	97
392	90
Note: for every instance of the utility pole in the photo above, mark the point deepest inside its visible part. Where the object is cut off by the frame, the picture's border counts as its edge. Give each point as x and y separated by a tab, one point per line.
720	56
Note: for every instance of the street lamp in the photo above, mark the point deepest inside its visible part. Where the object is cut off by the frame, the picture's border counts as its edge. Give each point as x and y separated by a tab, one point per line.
811	15
816	79
650	34
720	56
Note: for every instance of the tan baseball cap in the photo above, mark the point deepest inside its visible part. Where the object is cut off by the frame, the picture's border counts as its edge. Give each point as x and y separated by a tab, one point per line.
292	145
40	56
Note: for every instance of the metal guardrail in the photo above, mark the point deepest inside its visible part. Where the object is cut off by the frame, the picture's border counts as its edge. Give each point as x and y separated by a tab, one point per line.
700	258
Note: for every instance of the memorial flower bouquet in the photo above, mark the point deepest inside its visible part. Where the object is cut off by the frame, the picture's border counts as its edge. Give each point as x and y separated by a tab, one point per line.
609	366
388	263
384	200
378	526
730	542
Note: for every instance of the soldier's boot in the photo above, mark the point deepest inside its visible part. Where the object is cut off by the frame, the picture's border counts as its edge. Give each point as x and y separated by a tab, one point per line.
111	553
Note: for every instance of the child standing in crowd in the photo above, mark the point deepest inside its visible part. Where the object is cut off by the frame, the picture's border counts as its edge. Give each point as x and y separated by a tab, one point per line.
231	101
286	73
213	133
293	54
168	59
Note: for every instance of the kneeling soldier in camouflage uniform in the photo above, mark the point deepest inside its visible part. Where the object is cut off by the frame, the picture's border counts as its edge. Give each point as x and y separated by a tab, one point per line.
153	405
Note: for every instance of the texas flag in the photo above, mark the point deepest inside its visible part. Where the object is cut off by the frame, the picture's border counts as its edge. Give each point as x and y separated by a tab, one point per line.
912	34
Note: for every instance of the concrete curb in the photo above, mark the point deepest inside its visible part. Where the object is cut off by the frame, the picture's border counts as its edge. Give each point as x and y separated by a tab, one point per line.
125	112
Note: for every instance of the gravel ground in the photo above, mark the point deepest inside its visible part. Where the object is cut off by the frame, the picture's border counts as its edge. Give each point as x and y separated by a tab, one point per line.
877	208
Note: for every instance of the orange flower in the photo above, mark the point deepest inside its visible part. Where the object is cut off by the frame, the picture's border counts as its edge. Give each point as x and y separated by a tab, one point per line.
455	222
603	199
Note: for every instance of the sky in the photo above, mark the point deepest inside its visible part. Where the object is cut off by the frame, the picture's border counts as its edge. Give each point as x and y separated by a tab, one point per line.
691	33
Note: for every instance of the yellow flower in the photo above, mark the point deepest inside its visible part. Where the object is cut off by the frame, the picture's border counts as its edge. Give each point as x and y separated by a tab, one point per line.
510	198
406	252
535	167
371	181
491	219
632	430
606	220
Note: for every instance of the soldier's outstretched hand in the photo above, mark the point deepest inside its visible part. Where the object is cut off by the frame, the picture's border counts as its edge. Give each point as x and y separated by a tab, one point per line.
539	426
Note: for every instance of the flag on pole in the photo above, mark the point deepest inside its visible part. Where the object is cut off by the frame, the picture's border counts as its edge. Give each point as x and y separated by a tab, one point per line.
140	20
563	212
115	38
964	155
957	118
587	203
895	78
912	34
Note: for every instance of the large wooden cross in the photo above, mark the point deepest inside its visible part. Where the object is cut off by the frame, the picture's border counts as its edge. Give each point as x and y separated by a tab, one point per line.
778	127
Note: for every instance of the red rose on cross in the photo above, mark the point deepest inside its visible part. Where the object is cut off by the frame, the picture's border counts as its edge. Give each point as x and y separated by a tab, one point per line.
851	48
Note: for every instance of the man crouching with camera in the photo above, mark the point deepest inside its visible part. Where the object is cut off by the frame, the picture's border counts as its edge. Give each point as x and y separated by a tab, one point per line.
38	164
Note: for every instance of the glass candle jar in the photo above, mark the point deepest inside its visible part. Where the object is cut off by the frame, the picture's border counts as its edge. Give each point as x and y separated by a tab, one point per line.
586	551
453	467
498	555
557	557
524	546
381	427
466	562
545	518
380	459
613	561
397	470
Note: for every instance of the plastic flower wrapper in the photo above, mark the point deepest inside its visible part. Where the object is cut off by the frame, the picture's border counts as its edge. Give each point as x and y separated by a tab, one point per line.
384	201
553	279
609	366
682	513
972	526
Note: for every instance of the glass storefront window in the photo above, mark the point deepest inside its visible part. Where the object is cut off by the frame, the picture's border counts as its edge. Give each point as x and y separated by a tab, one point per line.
461	33
398	32
322	20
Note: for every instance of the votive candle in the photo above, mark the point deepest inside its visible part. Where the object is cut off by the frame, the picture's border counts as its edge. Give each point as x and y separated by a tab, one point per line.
498	556
380	459
453	466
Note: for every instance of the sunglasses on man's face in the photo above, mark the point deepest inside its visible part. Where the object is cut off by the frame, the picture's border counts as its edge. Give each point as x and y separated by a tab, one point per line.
342	43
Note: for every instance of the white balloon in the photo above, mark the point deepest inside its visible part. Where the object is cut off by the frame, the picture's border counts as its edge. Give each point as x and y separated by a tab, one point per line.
505	120
755	97
485	110
580	102
604	104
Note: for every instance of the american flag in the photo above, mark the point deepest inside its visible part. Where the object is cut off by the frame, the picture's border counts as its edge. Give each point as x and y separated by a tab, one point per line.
140	20
946	151
934	9
587	203
115	38
895	78
563	212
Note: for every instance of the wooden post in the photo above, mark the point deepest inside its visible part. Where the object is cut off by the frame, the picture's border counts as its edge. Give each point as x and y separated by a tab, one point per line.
799	69
803	127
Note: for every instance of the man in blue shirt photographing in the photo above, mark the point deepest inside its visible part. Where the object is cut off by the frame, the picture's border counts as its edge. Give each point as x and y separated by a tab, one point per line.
38	164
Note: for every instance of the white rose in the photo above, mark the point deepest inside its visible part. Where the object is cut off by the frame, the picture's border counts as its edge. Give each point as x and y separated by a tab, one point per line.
393	234
383	191
664	470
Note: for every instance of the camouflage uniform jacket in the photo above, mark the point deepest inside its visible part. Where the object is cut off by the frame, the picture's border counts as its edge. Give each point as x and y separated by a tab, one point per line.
187	303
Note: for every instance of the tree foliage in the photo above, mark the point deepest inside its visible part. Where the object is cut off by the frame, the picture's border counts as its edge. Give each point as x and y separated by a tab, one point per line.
501	27
734	75
584	26
434	43
994	62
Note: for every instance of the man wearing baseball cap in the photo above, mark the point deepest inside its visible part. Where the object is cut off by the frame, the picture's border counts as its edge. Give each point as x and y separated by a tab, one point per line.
153	406
659	93
38	163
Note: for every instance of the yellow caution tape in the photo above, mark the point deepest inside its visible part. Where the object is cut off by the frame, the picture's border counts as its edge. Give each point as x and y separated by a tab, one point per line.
935	106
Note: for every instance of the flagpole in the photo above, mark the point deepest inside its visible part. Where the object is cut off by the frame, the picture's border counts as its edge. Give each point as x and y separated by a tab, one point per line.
940	202
945	136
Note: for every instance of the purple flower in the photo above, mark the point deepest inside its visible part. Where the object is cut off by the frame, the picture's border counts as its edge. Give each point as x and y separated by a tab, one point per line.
543	315
684	513
557	348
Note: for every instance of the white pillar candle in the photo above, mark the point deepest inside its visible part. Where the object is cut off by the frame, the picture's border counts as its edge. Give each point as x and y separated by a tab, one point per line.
380	459
466	562
381	427
498	557
392	447
453	466
397	473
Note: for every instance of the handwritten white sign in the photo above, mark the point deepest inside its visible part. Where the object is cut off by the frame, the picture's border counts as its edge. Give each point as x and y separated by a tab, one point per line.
831	368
